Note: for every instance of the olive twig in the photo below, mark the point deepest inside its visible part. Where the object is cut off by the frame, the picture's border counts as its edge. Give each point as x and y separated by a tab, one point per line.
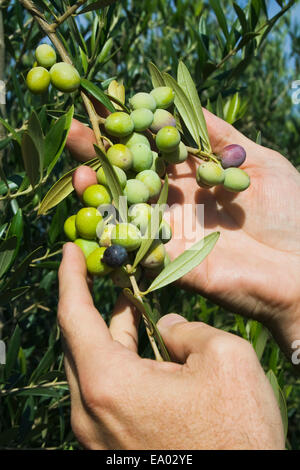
148	326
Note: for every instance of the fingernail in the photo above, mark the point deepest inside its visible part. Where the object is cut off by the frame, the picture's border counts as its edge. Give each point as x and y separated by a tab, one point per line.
169	320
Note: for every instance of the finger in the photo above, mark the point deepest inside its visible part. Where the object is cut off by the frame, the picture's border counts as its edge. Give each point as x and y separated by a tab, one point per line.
221	133
183	338
80	141
83	177
124	324
83	329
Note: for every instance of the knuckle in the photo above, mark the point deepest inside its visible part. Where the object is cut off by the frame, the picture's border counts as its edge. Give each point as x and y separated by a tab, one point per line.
97	397
229	347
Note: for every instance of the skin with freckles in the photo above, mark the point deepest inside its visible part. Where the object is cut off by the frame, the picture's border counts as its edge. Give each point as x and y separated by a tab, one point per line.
259	246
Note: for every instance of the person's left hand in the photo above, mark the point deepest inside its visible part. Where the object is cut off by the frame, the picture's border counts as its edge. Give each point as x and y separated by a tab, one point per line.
215	396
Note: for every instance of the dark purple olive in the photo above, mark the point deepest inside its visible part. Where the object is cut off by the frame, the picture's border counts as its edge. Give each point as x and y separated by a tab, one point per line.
232	156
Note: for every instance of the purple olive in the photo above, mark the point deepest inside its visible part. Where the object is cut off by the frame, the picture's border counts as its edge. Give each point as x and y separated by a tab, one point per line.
232	156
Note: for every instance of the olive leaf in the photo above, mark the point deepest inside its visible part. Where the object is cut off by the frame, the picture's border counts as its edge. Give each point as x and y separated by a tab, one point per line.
113	184
62	188
220	17
97	93
280	399
187	84
35	131
97	5
154	224
184	108
144	307
231	109
7	251
156	76
31	159
56	139
184	263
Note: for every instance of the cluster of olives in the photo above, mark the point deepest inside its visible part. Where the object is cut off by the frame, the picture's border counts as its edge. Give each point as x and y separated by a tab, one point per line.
61	75
107	245
226	172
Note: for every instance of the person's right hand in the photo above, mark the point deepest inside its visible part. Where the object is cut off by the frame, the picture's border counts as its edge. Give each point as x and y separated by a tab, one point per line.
254	268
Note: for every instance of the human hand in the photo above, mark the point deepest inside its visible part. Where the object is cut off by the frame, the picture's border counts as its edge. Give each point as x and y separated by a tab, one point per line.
254	268
215	397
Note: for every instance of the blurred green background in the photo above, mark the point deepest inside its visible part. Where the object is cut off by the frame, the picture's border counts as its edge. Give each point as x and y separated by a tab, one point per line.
244	57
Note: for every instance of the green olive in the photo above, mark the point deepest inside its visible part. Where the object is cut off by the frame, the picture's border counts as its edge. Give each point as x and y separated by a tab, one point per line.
236	180
121	175
87	220
120	155
38	80
119	124
96	195
45	55
64	77
127	235
167	139
155	256
70	228
94	263
87	246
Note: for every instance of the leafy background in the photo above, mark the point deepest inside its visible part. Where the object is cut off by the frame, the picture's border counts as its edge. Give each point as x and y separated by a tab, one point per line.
243	56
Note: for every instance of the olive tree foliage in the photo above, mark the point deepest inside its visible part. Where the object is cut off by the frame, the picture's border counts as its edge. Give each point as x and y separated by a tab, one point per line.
237	56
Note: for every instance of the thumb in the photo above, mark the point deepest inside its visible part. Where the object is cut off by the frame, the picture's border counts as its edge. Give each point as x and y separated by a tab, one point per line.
183	338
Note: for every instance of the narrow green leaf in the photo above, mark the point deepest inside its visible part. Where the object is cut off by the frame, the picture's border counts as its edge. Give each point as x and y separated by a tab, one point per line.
280	399
7	251
16	229
97	5
154	224
232	109
12	351
35	131
57	222
258	138
185	262
16	135
187	84
113	184
97	93
261	342
219	107
84	60
56	139
220	16
242	17
31	159
156	76
145	309
43	365
62	188
184	107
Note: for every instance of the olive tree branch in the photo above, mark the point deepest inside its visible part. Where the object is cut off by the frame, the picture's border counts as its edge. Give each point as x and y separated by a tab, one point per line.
69	12
49	30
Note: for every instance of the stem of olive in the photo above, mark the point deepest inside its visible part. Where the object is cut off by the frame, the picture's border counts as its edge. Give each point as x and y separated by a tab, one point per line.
148	326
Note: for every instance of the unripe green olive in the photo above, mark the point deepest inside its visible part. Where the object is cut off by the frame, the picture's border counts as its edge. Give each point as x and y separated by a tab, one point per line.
119	124
140	216
158	165
143	100
135	138
38	80
120	155
164	96
167	139
87	220
151	180
45	55
127	235
105	239
64	77
142	119
70	228
210	173
162	118
179	155
152	273
136	192
121	279
94	263
142	157
87	246
165	232
236	180
155	256
121	175
95	195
